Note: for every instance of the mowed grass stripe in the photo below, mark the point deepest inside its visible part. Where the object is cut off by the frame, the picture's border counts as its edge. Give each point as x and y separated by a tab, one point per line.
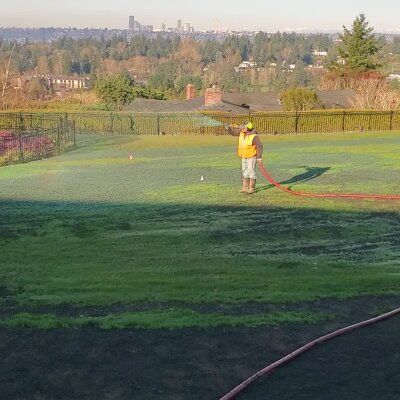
169	319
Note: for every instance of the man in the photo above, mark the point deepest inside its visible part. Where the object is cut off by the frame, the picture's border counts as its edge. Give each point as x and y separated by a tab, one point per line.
250	150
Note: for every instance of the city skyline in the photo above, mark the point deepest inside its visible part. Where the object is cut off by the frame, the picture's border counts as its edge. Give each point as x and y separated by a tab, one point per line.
135	25
307	16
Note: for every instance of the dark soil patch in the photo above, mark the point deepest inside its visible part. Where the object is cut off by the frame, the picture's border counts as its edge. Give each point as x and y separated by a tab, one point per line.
349	309
205	364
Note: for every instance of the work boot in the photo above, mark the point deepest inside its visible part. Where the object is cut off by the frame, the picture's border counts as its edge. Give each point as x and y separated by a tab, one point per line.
252	186
245	187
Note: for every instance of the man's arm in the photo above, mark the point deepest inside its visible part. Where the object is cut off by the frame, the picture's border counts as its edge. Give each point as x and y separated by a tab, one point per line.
234	130
259	147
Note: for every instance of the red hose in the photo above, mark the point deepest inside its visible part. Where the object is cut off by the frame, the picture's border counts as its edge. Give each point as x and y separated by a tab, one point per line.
238	389
349	195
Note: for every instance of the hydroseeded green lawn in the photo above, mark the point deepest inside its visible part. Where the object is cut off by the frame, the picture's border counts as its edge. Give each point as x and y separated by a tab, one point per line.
92	228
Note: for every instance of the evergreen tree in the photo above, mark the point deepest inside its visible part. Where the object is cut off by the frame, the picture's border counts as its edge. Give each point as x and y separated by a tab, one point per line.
359	46
300	75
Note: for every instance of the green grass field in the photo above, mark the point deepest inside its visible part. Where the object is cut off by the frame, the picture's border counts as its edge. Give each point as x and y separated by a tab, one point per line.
91	228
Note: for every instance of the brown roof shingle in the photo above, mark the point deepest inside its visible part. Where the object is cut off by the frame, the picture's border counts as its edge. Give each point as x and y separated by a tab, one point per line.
239	103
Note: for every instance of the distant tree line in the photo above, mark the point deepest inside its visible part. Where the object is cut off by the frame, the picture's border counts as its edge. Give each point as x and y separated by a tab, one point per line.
161	67
169	63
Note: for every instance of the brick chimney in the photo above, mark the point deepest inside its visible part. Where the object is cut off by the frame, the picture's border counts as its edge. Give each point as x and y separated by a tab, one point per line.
190	92
212	96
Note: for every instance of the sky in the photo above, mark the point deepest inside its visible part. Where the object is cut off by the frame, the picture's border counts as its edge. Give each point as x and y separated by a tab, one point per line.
254	15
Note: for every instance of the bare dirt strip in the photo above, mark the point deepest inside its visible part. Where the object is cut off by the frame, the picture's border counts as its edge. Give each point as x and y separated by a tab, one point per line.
193	364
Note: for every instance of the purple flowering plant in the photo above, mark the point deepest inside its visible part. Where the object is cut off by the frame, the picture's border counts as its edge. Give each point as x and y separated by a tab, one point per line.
27	146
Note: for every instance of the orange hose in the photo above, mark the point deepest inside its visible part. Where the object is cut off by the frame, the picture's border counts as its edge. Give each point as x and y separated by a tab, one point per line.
238	389
348	195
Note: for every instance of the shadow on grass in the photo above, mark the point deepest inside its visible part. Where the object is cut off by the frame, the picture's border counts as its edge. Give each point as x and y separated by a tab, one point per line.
309	174
131	363
364	236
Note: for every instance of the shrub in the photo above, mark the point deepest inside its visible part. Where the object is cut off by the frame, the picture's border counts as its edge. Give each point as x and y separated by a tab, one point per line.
299	99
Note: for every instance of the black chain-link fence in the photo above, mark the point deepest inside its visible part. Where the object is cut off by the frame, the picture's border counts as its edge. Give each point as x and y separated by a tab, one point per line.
57	126
213	123
27	137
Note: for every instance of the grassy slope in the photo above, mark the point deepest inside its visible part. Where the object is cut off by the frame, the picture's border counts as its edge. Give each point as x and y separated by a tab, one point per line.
93	228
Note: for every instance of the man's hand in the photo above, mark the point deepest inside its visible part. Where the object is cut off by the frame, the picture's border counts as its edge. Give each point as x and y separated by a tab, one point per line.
233	129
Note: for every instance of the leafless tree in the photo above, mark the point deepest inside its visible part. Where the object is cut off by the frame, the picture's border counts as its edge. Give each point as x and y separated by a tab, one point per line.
5	76
376	95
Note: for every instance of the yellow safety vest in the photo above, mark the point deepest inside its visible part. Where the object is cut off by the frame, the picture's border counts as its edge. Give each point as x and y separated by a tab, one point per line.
246	149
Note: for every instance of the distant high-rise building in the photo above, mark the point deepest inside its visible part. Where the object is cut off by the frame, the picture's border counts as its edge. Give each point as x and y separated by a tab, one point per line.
163	27
131	23
187	26
179	27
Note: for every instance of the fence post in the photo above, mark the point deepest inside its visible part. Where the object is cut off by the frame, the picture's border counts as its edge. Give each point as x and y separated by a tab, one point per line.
66	121
158	124
131	125
74	132
21	153
112	122
20	130
21	122
391	120
296	124
343	120
59	137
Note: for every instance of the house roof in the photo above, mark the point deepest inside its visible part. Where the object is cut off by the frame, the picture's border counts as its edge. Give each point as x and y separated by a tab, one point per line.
239	103
197	104
149	105
336	98
268	101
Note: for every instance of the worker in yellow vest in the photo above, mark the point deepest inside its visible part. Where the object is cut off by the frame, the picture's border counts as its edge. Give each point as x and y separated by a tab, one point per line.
250	150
